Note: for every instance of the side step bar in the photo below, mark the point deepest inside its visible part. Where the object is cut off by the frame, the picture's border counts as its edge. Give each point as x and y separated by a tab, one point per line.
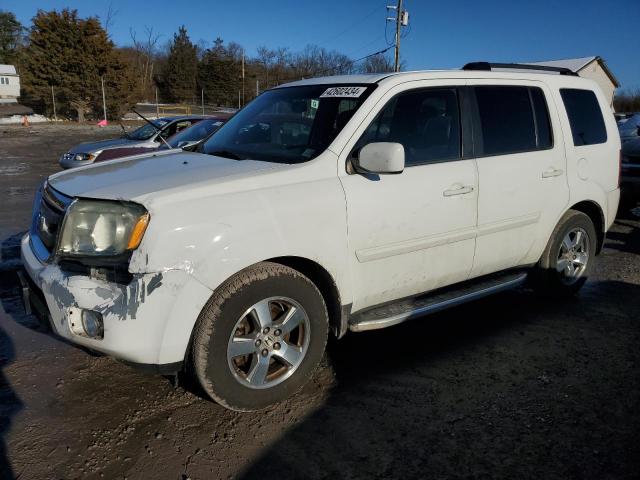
410	308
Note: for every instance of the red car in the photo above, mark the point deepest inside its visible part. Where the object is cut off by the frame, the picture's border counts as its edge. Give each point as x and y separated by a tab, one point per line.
188	139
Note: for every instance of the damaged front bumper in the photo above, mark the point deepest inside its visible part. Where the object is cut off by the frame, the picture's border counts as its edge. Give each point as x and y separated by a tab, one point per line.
147	321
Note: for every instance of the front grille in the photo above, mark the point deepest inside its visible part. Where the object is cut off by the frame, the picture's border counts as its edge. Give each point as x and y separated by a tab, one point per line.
47	220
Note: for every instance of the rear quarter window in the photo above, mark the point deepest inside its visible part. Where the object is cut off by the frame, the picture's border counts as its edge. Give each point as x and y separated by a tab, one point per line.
511	119
585	116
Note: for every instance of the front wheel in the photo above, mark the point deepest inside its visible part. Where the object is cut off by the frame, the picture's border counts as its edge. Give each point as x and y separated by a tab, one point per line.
568	258
259	338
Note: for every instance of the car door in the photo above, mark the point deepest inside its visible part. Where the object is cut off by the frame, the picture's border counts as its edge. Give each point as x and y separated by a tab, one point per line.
522	171
414	231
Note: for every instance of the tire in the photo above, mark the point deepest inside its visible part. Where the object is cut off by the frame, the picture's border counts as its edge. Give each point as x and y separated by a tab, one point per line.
568	258
235	321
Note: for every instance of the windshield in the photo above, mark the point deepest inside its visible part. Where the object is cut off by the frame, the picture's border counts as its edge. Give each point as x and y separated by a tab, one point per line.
288	125
146	131
195	133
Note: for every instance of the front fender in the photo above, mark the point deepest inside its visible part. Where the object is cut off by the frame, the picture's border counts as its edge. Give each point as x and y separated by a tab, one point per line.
214	236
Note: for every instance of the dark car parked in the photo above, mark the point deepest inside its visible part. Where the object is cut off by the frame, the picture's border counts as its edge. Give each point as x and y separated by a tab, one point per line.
630	170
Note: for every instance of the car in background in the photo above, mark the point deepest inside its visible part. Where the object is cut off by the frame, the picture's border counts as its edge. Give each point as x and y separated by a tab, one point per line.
630	171
622	117
149	136
187	139
630	128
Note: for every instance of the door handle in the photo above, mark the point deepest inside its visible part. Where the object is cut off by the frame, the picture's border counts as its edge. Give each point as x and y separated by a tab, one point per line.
552	172
458	190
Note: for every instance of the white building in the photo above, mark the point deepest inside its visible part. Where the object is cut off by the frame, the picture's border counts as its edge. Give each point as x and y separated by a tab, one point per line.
593	68
9	84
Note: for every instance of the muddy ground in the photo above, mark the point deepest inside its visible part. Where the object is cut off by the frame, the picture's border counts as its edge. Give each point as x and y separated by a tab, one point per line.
508	387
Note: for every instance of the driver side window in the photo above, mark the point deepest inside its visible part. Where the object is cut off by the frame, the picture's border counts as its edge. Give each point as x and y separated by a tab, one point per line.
426	122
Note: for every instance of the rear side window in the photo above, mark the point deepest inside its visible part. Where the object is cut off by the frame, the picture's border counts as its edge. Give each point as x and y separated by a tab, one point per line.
585	116
512	119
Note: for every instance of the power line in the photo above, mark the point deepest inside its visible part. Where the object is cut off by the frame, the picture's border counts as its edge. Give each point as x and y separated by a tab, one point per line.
368	44
350	27
340	66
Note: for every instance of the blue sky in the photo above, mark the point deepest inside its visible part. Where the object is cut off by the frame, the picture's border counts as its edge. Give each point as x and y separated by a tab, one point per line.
443	34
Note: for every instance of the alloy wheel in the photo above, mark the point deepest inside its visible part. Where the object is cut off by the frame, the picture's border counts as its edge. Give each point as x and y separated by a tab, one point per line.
268	343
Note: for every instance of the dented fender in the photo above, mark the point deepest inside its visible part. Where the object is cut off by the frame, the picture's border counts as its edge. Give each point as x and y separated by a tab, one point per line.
213	233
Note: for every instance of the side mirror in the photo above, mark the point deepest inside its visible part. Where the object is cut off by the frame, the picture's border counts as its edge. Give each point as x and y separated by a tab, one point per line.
381	158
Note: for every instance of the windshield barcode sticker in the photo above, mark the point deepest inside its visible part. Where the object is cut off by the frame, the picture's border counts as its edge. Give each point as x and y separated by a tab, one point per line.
343	92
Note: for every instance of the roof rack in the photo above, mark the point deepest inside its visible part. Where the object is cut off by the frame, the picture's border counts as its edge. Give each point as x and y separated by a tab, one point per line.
486	66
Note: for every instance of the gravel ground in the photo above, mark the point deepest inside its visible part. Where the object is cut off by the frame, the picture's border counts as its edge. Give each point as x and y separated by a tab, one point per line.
509	387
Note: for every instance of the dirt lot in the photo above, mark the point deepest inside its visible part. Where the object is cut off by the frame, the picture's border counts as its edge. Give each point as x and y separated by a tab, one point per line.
509	387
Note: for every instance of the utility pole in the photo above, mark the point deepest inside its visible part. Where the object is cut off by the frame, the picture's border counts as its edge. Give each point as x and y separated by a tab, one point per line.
243	77
401	20
157	106
53	98
203	101
257	87
104	103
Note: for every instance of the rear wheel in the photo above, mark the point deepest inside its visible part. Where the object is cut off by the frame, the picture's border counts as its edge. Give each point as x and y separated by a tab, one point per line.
568	258
259	337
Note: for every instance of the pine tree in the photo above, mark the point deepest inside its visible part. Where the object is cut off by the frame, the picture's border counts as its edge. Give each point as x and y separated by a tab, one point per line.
219	73
10	37
72	54
181	70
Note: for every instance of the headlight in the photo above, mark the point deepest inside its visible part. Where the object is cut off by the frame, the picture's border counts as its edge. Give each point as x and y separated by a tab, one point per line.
81	157
102	228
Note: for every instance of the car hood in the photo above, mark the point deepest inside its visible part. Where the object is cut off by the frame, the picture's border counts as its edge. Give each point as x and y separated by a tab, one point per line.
90	147
138	178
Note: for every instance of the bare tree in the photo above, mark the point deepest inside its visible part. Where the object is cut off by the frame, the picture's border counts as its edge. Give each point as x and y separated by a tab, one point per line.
316	61
265	58
627	101
202	45
145	58
379	63
109	18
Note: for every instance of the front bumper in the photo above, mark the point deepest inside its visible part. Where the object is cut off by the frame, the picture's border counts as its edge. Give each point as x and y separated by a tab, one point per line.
148	321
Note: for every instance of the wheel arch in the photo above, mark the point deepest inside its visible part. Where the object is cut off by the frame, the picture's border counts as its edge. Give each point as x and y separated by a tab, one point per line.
321	278
595	213
338	315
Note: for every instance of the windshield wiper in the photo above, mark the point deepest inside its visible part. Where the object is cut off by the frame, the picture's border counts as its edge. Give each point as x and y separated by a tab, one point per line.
158	131
226	154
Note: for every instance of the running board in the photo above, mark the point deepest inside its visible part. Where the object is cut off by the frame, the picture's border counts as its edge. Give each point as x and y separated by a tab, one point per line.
410	308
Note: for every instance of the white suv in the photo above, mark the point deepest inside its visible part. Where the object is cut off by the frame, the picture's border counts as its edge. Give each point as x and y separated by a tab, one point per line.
326	205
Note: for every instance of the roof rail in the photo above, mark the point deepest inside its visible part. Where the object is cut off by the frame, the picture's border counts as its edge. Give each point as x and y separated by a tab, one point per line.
486	66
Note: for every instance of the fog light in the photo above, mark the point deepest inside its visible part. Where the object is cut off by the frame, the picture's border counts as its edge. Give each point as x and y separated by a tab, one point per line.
92	324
